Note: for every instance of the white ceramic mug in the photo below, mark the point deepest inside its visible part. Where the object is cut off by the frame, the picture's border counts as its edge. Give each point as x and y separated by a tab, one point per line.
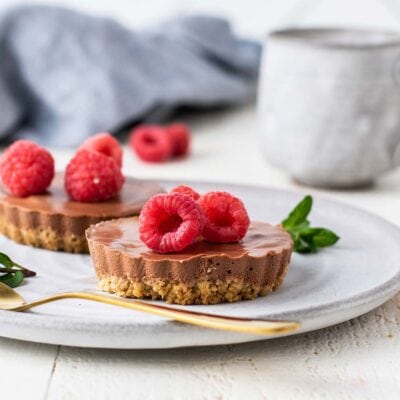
329	104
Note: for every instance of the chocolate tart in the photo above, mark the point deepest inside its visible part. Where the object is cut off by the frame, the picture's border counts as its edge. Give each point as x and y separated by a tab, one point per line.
203	273
53	221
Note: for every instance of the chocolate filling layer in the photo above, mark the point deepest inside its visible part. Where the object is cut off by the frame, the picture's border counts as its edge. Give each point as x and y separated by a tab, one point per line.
259	258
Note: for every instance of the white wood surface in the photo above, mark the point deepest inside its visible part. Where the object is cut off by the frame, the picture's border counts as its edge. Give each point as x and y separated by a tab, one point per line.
359	359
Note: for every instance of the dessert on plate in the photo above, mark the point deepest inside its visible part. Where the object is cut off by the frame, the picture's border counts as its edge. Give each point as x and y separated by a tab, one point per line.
52	210
53	221
190	249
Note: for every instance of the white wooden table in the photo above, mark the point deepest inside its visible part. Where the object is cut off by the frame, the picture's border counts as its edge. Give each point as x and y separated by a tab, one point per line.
359	359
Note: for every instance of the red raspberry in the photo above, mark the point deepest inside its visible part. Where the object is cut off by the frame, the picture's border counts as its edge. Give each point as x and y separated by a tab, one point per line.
225	217
170	222
26	168
91	176
186	190
106	144
151	143
180	137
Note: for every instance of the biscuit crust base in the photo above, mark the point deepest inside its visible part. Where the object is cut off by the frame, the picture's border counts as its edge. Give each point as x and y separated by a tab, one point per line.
204	291
45	238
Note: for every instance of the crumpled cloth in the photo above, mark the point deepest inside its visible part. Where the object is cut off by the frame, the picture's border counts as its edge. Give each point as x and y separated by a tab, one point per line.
65	75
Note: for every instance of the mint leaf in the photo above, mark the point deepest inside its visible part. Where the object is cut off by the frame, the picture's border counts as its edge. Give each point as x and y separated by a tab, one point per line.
304	247
299	214
319	237
298	228
307	239
6	261
12	279
11	273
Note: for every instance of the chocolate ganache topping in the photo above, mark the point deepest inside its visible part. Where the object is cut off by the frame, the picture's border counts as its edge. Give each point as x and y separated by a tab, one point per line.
55	210
260	257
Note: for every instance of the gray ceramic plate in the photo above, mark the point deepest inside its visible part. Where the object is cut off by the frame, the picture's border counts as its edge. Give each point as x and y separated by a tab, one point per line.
361	272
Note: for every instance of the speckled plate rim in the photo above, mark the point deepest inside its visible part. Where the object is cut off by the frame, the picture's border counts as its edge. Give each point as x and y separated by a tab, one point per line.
322	315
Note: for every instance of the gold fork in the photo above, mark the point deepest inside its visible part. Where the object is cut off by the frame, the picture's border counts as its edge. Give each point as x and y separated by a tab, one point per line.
10	300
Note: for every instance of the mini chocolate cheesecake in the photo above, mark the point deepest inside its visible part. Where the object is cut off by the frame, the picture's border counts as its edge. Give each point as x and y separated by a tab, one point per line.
53	221
203	273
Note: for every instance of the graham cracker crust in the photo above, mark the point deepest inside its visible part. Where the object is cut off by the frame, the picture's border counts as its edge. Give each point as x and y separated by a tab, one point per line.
205	291
45	238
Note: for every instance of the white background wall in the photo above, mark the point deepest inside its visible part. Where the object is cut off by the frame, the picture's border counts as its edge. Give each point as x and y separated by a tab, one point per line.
249	17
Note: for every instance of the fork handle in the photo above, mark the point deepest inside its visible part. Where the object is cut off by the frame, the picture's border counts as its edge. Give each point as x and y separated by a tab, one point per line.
235	324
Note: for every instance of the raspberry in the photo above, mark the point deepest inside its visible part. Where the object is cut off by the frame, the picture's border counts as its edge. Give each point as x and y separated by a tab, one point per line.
170	222
105	144
26	168
151	143
180	137
225	217
186	190
91	176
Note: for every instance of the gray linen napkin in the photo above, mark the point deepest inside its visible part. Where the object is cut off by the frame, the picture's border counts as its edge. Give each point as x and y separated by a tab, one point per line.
66	75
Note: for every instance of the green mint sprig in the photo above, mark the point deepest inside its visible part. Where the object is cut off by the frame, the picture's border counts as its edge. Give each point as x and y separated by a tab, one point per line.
307	239
11	273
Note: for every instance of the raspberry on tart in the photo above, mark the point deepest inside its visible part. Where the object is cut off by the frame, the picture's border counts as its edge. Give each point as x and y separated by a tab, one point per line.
183	189
106	144
151	143
225	217
92	176
170	222
26	168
